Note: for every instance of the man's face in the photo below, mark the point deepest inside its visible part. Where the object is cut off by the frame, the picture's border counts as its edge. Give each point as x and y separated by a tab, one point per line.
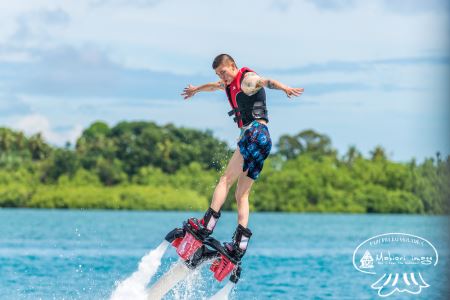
226	72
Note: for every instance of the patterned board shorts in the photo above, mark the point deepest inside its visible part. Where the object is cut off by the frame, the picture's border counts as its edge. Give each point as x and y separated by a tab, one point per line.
254	145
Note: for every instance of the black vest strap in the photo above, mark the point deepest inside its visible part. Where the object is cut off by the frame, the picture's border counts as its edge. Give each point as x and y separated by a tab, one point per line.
234	111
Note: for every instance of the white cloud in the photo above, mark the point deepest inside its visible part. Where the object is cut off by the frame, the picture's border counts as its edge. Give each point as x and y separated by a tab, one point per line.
34	123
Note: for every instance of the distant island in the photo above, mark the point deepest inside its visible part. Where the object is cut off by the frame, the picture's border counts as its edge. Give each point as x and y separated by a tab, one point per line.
144	166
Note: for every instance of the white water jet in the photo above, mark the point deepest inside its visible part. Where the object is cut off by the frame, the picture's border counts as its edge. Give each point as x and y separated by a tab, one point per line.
177	273
134	286
223	293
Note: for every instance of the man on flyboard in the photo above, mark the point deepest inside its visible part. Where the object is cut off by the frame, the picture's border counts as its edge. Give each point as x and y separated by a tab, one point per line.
246	95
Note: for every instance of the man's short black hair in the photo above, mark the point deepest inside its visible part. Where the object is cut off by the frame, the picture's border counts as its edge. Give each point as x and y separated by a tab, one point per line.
221	58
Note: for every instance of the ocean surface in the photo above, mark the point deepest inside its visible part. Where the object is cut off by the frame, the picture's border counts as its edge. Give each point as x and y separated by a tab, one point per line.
77	254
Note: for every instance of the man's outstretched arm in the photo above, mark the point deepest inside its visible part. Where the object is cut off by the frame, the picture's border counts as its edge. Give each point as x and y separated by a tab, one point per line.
191	90
252	83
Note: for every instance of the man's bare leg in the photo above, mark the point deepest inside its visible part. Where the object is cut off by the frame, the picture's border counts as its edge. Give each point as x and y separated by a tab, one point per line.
232	172
244	186
238	246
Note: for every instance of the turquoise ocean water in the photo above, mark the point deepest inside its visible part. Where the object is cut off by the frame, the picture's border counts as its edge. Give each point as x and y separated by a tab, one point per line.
64	254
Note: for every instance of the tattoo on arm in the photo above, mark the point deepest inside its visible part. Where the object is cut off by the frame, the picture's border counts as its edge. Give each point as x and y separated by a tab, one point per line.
270	84
250	79
250	83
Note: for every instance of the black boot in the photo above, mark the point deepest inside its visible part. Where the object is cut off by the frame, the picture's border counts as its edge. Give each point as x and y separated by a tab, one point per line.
210	219
237	247
204	227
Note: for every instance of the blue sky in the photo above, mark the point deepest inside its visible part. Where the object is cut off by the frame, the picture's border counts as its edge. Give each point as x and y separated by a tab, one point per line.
374	72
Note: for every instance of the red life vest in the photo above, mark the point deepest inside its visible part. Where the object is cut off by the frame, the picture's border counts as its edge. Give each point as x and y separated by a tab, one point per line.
245	108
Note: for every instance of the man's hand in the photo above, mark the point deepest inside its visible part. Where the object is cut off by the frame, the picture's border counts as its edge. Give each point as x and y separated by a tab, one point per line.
189	91
293	92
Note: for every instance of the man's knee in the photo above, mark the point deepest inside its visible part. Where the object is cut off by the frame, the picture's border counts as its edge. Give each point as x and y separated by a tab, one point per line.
237	195
227	180
241	195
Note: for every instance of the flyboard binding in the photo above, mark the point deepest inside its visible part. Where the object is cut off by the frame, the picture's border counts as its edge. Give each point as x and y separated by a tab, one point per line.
195	247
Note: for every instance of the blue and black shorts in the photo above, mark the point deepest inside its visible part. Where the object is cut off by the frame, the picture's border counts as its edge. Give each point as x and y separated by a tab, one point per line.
254	145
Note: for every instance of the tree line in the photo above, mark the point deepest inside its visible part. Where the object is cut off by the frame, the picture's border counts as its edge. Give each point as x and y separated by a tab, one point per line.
141	165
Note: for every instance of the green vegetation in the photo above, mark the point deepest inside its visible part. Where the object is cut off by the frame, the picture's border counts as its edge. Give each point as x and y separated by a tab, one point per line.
140	165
